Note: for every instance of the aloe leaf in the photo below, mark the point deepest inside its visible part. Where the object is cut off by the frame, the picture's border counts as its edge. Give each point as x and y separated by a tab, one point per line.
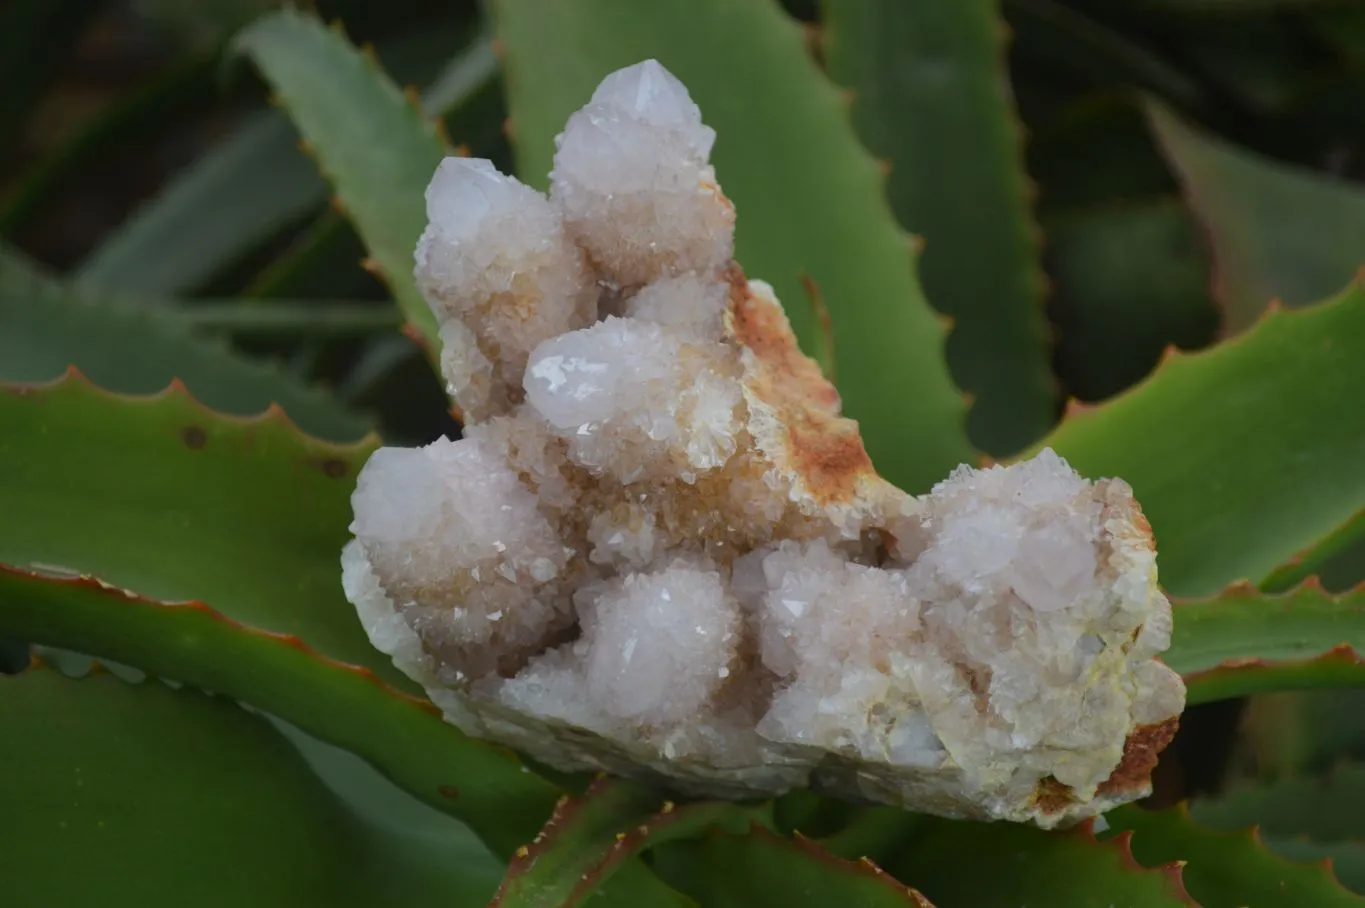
1277	232
1242	454
1243	641
590	836
1228	869
1334	558
314	318
985	865
763	869
371	142
249	187
1321	808
1128	280
163	496
418	837
401	735
809	197
140	794
931	98
246	189
47	326
1301	817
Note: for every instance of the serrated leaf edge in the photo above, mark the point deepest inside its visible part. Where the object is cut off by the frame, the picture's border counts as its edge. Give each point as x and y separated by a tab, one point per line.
1174	358
1253	835
273	414
1343	653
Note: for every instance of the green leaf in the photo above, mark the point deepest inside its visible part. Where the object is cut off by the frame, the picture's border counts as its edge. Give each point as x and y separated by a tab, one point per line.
420	838
931	96
163	496
1302	818
312	318
400	735
1227	869
1128	281
372	143
809	198
1278	232
250	186
590	836
246	189
984	865
134	348
1242	454
1322	808
140	794
1336	553
763	869
1244	641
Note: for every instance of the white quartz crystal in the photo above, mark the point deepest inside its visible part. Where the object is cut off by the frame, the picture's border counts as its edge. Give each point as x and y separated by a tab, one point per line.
660	550
633	179
495	258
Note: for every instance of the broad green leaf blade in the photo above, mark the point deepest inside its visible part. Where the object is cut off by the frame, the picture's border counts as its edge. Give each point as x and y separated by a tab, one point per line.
591	835
1302	818
245	190
1277	232
401	735
371	142
134	348
1322	808
932	98
808	196
165	497
1128	281
1004	865
1243	454
313	318
418	838
1338	559
1243	641
250	186
1228	869
764	870
118	793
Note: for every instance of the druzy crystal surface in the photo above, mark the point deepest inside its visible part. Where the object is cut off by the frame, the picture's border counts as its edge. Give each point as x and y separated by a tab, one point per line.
659	549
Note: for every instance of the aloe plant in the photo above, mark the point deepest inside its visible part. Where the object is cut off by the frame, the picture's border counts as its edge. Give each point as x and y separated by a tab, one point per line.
1128	232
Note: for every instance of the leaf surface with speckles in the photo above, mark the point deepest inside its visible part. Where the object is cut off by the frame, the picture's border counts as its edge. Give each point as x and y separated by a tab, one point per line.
165	497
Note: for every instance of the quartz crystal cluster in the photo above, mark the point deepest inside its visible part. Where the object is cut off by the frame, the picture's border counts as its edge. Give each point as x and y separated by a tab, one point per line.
659	549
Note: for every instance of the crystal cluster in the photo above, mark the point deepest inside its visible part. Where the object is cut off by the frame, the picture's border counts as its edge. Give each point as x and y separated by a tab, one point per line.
660	550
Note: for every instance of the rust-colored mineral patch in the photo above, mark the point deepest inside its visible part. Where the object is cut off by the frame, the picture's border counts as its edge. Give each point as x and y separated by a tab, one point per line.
1141	751
822	448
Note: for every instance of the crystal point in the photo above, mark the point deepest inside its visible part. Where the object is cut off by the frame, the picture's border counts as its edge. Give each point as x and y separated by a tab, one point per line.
660	550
